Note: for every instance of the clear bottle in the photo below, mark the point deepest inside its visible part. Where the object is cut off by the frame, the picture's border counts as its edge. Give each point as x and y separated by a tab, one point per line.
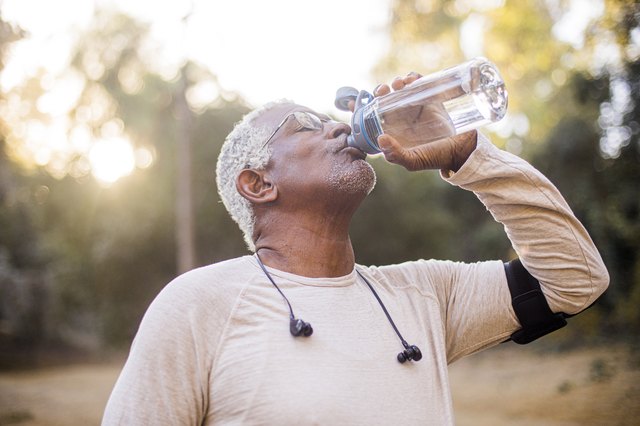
436	106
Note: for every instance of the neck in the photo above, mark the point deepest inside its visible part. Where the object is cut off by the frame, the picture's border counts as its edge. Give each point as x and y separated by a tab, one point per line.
314	247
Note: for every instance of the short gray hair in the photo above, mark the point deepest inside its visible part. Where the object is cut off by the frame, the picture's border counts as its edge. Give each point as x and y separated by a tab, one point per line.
241	150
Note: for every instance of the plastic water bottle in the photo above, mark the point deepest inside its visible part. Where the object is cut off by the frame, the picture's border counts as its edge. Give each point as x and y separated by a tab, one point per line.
436	106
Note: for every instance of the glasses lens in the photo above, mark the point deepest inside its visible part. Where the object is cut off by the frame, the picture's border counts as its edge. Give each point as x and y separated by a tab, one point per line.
305	121
308	121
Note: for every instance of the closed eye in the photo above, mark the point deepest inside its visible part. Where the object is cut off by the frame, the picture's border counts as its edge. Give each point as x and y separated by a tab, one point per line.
306	121
300	128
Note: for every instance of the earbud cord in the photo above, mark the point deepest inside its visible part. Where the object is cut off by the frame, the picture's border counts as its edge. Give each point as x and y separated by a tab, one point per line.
264	269
404	342
274	284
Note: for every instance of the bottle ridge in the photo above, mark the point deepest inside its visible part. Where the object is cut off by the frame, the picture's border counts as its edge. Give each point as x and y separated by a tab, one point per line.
436	106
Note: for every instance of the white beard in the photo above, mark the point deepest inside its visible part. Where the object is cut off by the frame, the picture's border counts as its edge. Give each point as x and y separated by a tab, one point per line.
358	178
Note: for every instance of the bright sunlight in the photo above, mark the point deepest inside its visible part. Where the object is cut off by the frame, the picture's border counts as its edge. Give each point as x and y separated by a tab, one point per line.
111	159
258	64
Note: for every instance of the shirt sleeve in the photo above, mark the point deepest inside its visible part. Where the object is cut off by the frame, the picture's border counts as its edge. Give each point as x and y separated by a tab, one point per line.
549	240
473	298
164	380
473	302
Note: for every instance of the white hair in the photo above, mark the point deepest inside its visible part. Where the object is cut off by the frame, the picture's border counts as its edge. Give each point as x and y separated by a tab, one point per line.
241	150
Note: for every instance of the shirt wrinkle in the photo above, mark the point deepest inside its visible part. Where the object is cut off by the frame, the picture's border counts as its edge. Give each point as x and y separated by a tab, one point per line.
260	374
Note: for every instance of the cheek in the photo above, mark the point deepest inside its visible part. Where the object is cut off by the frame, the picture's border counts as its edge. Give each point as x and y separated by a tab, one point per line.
303	165
300	175
303	159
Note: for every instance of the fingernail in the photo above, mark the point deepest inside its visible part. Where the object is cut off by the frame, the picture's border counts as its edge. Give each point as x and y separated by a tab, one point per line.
383	143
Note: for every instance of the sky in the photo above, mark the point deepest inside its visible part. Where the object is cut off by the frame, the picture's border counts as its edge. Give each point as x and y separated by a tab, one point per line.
296	49
265	50
300	50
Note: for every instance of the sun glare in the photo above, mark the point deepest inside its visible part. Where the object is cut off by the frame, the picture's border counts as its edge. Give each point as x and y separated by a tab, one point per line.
65	125
111	159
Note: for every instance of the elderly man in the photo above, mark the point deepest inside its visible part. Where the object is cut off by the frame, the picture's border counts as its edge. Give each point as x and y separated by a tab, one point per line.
216	346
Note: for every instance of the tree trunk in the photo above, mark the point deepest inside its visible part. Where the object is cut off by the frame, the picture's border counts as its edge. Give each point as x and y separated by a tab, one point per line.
185	241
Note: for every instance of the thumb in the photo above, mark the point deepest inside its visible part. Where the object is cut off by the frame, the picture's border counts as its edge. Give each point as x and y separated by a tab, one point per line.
388	144
410	159
392	150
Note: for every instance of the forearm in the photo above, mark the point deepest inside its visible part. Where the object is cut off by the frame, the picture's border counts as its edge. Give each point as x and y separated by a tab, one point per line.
551	243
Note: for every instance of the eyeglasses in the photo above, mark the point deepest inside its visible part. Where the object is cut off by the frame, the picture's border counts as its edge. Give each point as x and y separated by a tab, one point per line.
305	121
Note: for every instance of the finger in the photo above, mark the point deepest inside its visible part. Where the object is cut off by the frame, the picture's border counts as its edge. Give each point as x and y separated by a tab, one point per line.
387	143
351	104
391	149
411	159
397	83
411	77
381	90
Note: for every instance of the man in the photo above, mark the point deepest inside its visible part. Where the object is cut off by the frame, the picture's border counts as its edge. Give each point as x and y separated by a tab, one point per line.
213	348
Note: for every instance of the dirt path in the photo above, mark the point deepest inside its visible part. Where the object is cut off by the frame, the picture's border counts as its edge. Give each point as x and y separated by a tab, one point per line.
511	386
69	396
504	386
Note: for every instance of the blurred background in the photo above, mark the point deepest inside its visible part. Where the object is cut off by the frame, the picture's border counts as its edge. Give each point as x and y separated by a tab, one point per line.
112	114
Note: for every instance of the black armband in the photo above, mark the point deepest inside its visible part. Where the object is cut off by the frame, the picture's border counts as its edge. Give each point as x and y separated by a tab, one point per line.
530	305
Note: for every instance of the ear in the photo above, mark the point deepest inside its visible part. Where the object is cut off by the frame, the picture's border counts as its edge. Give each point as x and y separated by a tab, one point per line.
256	186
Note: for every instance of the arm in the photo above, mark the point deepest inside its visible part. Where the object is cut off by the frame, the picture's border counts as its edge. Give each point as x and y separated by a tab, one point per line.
474	299
164	380
551	243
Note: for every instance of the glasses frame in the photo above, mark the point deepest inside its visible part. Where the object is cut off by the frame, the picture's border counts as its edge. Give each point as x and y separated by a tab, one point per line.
285	119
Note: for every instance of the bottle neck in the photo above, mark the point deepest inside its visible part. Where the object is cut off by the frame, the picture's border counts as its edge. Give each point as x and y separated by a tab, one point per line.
365	129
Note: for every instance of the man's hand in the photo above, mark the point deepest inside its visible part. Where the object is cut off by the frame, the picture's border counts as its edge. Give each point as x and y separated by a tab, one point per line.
445	154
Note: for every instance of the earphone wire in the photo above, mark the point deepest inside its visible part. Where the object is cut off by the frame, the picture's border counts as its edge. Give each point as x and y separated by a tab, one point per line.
384	309
404	342
264	269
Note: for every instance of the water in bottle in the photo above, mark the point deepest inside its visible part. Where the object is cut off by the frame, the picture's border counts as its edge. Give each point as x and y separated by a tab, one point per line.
434	107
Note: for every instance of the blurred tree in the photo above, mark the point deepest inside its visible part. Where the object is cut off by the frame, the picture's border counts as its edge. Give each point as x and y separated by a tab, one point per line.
428	35
574	93
134	251
24	283
81	261
594	156
110	249
185	238
411	215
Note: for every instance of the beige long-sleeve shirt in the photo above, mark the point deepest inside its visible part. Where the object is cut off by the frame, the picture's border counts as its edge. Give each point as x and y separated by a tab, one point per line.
214	347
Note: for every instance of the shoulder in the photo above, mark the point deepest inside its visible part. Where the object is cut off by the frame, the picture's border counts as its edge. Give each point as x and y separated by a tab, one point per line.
435	276
207	292
212	281
176	344
416	270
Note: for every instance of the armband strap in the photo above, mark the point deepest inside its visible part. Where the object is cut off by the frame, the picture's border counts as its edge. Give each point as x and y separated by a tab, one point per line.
530	305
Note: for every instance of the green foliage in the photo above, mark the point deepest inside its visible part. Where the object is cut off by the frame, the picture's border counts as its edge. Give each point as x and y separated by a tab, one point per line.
604	195
101	254
584	131
80	262
418	215
24	284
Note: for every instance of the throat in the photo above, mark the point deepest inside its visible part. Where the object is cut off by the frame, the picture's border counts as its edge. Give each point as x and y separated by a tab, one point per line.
308	255
309	239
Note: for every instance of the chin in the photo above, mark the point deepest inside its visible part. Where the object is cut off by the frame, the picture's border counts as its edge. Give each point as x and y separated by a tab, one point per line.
358	179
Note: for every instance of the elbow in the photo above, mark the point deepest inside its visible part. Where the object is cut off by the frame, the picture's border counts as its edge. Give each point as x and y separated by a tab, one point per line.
596	284
579	290
599	280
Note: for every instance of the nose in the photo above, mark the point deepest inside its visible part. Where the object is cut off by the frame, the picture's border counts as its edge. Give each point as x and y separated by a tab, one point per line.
338	129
